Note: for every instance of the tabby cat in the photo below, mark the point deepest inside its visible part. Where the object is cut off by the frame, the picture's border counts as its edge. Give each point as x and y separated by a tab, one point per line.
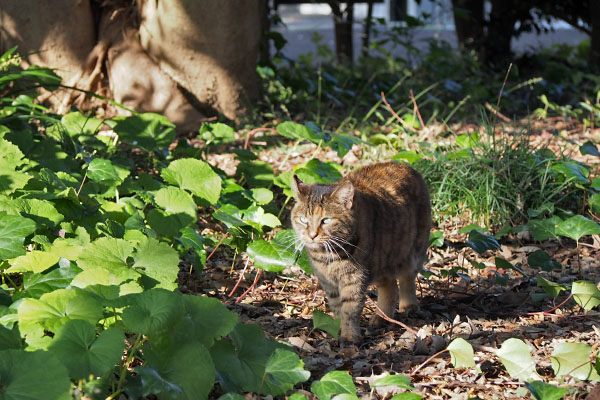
370	227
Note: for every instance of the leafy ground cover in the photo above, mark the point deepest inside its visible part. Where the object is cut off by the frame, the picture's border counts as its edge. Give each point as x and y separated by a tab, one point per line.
138	264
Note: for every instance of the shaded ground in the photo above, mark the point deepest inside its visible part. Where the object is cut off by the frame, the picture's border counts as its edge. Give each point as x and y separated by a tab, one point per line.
479	310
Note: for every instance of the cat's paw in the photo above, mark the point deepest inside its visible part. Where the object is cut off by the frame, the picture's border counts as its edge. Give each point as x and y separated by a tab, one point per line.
350	336
376	321
405	308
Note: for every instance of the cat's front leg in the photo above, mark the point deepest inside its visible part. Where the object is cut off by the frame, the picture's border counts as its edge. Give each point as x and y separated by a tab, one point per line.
352	296
333	295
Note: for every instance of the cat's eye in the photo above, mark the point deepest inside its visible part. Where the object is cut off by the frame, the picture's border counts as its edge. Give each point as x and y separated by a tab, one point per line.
326	221
303	220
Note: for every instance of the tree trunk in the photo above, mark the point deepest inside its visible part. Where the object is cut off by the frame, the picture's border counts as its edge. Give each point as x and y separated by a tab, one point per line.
500	31
343	21
210	48
595	35
367	30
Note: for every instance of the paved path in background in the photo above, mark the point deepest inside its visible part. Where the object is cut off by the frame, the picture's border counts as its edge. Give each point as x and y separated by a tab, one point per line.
300	29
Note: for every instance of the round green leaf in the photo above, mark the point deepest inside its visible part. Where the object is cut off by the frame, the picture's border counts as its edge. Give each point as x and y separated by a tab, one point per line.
576	227
270	256
27	375
326	322
399	380
541	259
553	289
13	230
573	359
409	156
293	130
516	358
153	312
103	171
461	353
174	201
11	156
586	294
543	229
34	261
196	176
544	391
149	131
158	261
76	346
334	382
110	254
75	123
283	370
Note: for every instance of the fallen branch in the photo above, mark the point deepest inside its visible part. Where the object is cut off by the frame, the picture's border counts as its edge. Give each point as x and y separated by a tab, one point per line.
387	318
412	97
258	275
404	124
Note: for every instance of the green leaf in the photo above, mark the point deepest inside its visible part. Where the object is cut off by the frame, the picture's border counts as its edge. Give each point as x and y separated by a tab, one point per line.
342	143
153	312
35	285
553	289
516	358
316	171
205	320
174	201
237	396
293	130
110	254
76	346
186	371
217	132
409	156
261	195
594	203
11	181
502	263
399	380
576	227
42	212
149	131
541	259
406	396
283	370
573	359
255	173
10	338
544	391
436	239
103	171
75	123
11	156
481	242
52	310
586	294
157	260
326	322
334	382
13	231
28	375
270	256
543	229
572	170
589	148
34	261
168	225
196	176
461	353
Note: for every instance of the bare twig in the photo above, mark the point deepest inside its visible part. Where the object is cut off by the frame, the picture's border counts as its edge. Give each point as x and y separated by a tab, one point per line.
250	134
412	97
427	361
216	247
258	275
389	319
240	279
404	124
82	182
502	88
548	312
497	113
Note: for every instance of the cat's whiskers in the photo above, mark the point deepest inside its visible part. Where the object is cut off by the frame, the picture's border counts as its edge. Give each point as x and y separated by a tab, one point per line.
347	242
348	254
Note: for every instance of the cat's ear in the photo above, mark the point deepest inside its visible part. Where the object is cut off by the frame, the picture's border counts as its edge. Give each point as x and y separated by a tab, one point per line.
344	193
298	187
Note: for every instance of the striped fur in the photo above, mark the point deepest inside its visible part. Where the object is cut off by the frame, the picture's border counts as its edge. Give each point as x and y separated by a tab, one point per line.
370	227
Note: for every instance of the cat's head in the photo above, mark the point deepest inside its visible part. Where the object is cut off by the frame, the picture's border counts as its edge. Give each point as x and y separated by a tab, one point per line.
322	212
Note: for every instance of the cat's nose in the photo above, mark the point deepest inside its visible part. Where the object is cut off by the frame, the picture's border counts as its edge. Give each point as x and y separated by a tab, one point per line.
312	235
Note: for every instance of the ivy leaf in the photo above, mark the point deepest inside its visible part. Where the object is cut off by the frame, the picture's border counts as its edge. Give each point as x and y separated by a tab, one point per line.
283	370
334	382
543	229
594	203
541	259
205	320
174	201
196	176
572	170
586	294
76	346
461	353
149	131
34	261
13	231
544	391
399	380
27	375
481	242
516	358
573	359
553	289
576	227
589	148
326	322
158	261
153	312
